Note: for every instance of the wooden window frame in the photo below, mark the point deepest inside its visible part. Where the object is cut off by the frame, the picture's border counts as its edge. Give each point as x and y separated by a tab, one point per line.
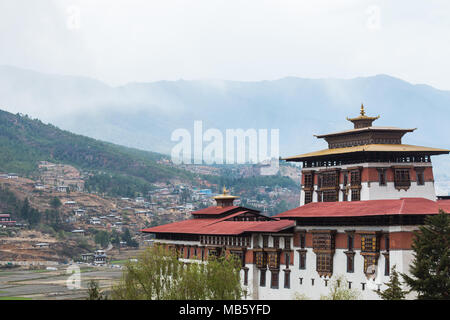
274	279
356	195
402	178
262	277
308	197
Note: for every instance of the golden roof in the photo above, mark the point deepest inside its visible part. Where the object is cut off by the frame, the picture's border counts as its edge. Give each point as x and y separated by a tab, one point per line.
363	116
366	129
225	195
369	148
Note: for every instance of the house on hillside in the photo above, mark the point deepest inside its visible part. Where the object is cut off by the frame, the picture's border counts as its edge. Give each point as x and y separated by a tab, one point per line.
42	245
39	186
87	257
62	188
5	220
100	257
79	212
80	232
95	221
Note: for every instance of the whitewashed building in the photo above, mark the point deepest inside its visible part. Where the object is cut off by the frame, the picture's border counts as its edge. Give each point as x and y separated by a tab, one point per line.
360	203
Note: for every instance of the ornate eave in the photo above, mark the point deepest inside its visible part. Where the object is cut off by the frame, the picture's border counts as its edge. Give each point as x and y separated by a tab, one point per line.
225	195
400	148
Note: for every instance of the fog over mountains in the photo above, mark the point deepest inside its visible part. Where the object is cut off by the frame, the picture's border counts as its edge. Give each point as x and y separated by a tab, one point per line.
143	115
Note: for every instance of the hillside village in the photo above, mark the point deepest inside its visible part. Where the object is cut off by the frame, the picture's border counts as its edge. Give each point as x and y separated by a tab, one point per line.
87	218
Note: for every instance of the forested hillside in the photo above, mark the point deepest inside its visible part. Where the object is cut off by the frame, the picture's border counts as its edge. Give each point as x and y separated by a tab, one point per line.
25	141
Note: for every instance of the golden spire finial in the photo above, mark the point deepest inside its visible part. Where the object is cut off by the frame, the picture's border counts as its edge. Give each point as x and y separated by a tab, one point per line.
225	191
363	113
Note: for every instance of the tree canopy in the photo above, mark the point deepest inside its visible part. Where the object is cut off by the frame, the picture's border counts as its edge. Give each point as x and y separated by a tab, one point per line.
394	289
160	275
430	270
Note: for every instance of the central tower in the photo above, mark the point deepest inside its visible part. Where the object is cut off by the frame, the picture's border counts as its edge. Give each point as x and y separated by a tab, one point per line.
367	163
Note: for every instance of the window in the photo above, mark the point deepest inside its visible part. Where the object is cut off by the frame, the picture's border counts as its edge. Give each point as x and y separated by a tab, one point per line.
302	260
330	179
287	279
262	278
369	243
308	180
287	259
350	263
420	176
203	254
324	246
302	240
245	276
276	242
387	267
274	260
330	196
350	242
382	177
287	243
355	178
356	195
239	255
261	260
324	263
402	178
265	241
308	197
274	279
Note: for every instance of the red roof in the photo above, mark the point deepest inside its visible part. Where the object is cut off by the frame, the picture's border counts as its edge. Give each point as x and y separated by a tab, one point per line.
405	206
215	210
221	226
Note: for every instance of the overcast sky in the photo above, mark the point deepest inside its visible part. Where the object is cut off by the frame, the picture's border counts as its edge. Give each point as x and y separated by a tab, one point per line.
130	40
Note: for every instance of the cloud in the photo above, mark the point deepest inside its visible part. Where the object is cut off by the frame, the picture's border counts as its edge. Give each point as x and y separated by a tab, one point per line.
137	40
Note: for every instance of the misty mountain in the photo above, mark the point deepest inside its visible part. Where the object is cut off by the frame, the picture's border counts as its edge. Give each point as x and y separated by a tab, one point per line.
25	141
143	115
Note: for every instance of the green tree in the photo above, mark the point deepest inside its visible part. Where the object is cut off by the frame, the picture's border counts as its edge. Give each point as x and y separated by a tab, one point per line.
55	203
115	239
102	238
30	214
394	290
25	210
159	275
126	236
430	269
338	291
94	292
185	195
34	217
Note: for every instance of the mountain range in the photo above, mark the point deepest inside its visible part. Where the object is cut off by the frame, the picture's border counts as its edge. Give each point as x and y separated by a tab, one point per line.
143	115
